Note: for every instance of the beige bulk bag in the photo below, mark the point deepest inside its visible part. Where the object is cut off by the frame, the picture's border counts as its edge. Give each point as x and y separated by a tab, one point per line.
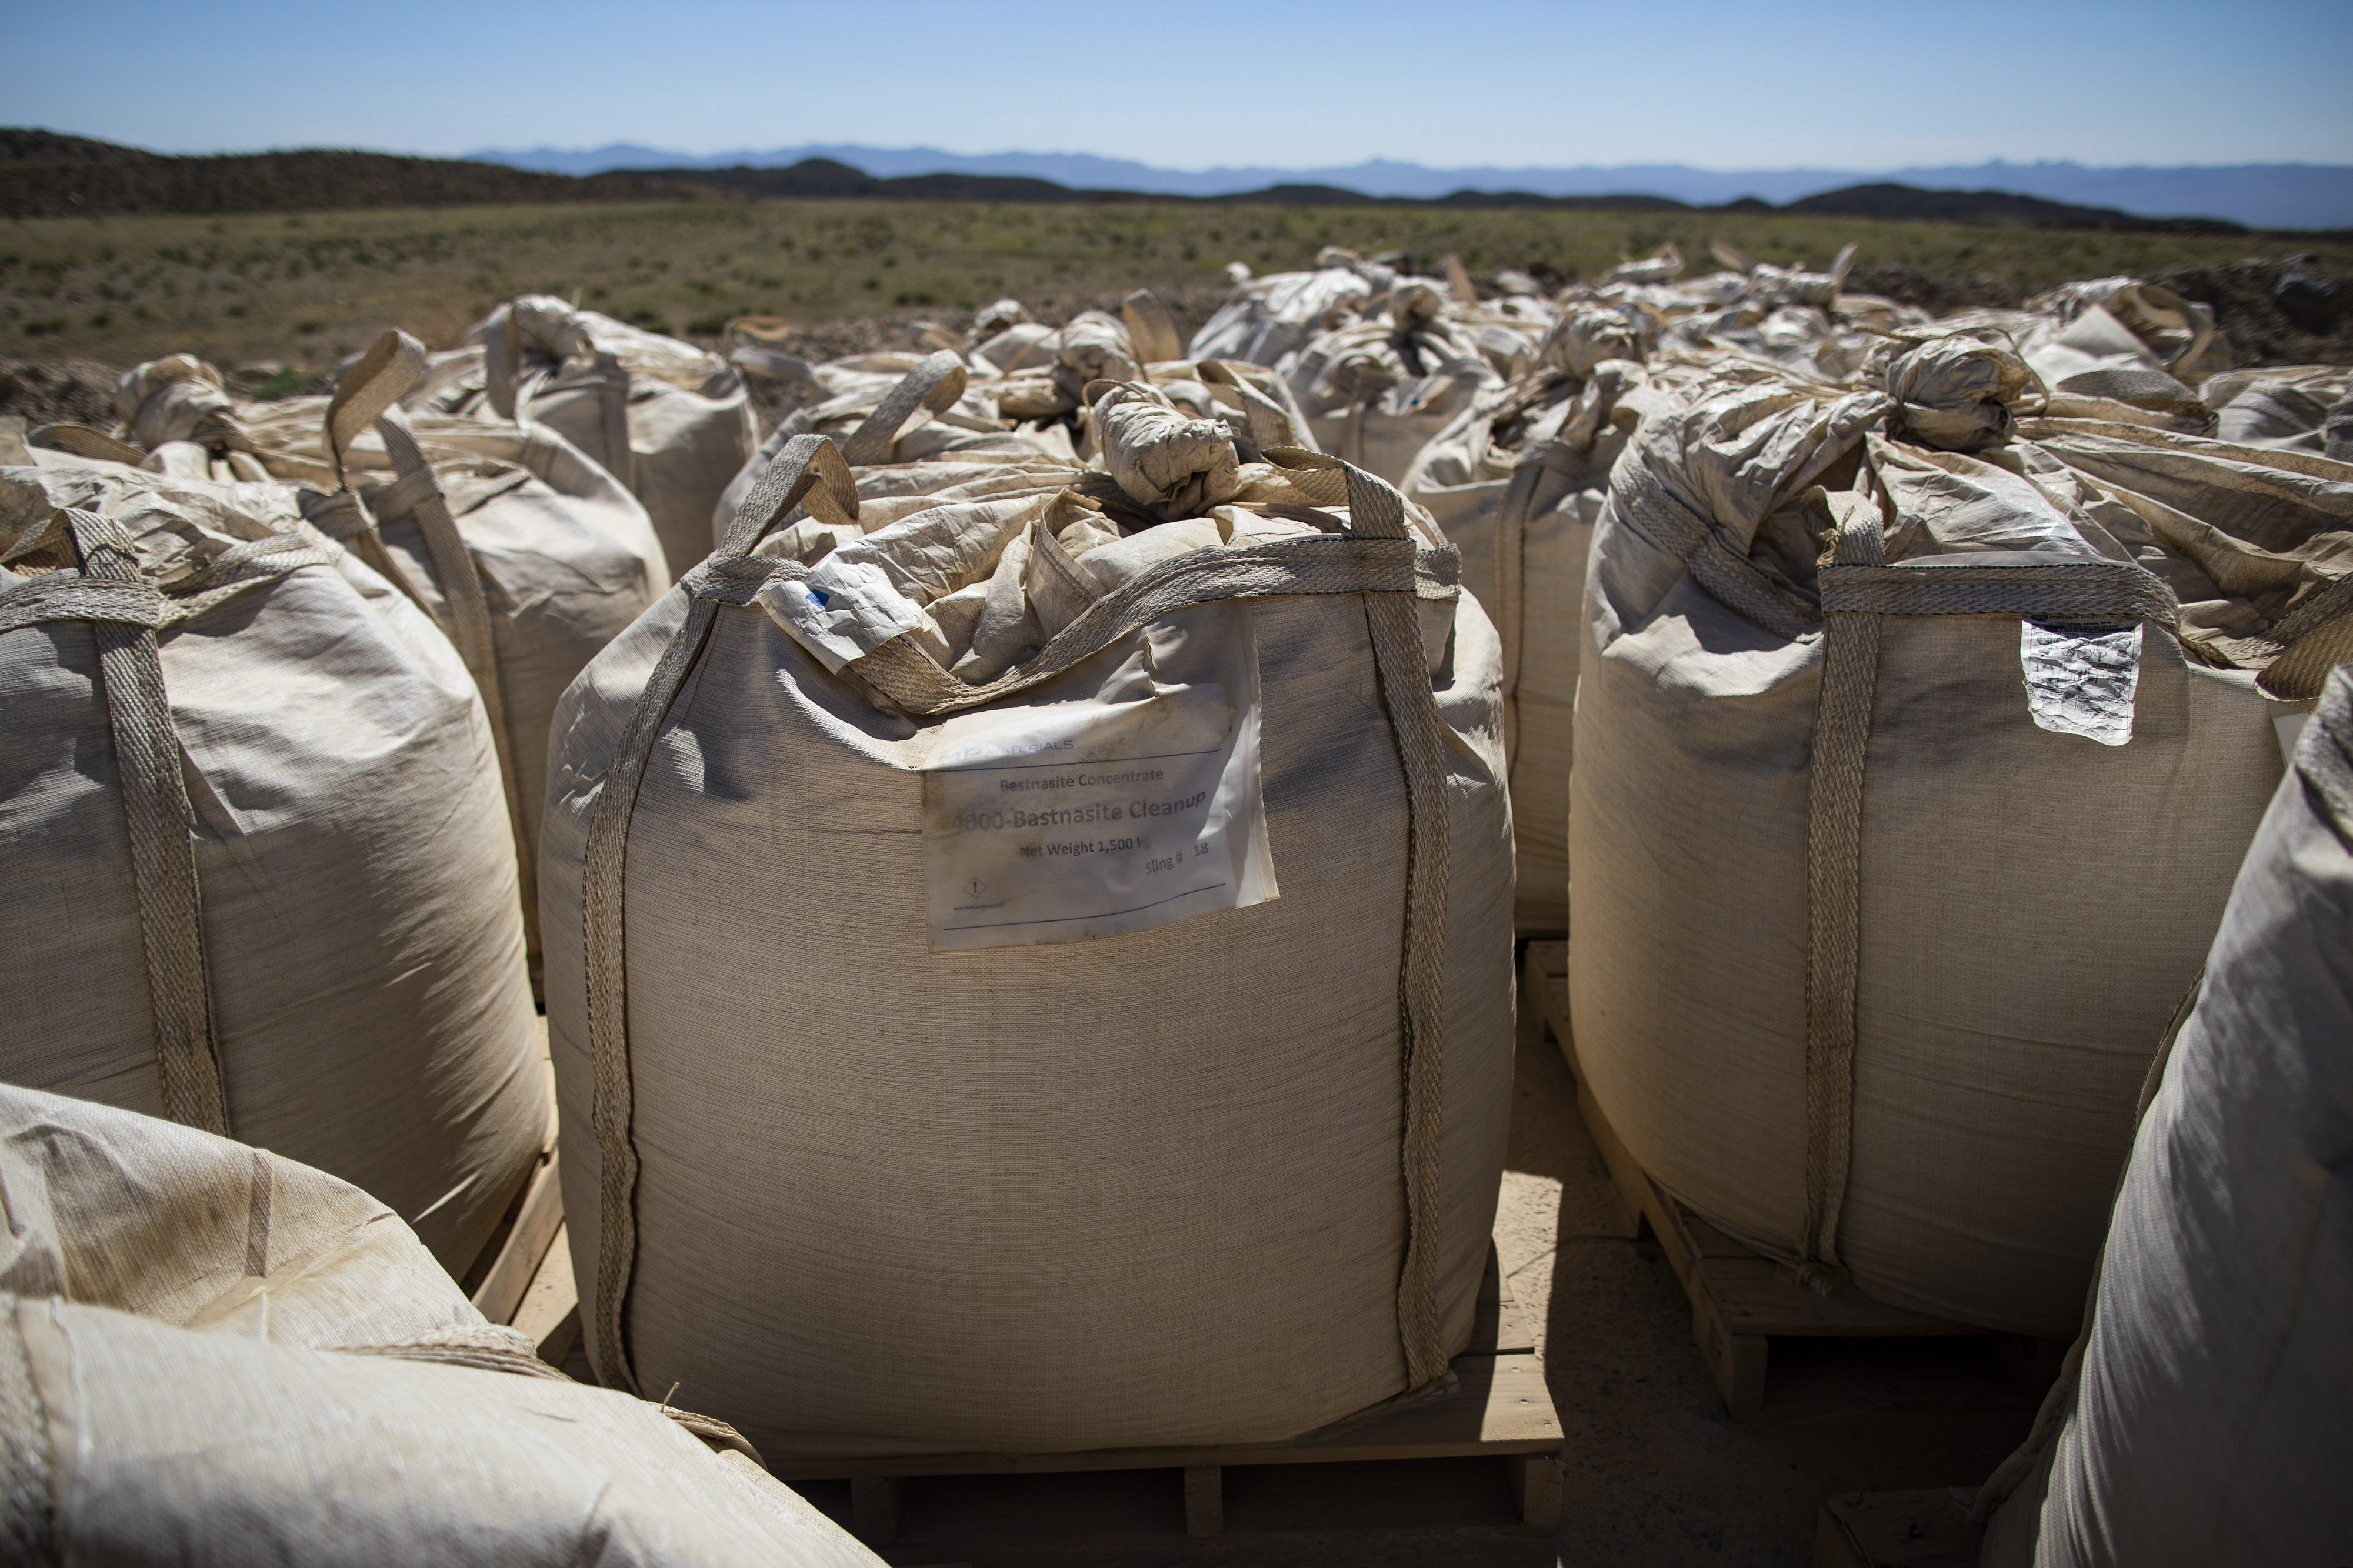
2267	529
865	1159
531	557
2177	333
934	435
2283	406
672	423
1872	921
1004	338
1270	316
182	398
114	1209
262	876
1376	391
1516	483
210	1354
930	427
2206	1416
1050	385
261	1452
1793	320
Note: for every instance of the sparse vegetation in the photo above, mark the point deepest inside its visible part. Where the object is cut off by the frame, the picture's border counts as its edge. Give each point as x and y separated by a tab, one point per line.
308	289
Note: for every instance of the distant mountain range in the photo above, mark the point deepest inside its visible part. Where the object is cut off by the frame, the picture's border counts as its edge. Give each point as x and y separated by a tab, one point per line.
45	174
824	178
2261	195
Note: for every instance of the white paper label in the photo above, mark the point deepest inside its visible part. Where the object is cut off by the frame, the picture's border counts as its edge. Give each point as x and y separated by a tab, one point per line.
845	610
1075	820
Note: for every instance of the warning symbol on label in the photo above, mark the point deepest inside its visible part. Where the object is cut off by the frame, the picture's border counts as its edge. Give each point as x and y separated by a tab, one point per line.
976	887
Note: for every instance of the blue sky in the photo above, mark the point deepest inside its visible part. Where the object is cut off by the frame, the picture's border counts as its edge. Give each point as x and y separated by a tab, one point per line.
1849	83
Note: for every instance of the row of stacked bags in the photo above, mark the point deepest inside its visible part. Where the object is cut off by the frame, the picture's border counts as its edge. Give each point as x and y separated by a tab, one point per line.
2043	590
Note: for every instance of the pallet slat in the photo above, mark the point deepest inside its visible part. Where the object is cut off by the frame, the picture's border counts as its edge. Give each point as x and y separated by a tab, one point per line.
1501	1328
550	1308
523	1242
1502	1407
1499	1407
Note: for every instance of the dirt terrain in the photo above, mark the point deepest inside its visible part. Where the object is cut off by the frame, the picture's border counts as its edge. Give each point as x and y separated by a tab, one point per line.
303	290
2285	312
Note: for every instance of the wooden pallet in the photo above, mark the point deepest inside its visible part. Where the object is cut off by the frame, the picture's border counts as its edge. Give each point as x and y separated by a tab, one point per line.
1738	1296
1928	1529
524	1277
1502	1408
510	1259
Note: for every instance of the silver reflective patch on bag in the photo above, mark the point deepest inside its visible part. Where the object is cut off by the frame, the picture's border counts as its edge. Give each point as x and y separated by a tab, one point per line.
2080	679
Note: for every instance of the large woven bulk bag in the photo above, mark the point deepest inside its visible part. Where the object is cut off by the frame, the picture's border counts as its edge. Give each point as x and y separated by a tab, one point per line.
672	423
1377	390
1091	346
216	1355
531	557
114	1209
1516	483
930	426
935	434
160	1446
182	398
2176	332
1886	872
857	1151
2207	1414
1791	318
2281	407
261	875
1004	338
1270	316
2265	525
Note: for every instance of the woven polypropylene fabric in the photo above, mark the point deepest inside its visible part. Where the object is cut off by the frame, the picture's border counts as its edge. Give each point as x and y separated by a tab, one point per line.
1833	853
1524	521
467	620
2214	1408
184	1242
360	934
28	1534
674	446
162	855
1858	588
1365	405
69	598
134	1213
544	561
932	386
1124	1127
237	1451
2003	1005
123	610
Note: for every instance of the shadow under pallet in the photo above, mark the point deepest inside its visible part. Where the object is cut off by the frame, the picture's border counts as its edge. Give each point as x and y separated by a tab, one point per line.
1741	1300
1924	1529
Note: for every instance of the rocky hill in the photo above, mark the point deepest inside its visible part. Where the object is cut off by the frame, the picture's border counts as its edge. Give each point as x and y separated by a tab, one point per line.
43	174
